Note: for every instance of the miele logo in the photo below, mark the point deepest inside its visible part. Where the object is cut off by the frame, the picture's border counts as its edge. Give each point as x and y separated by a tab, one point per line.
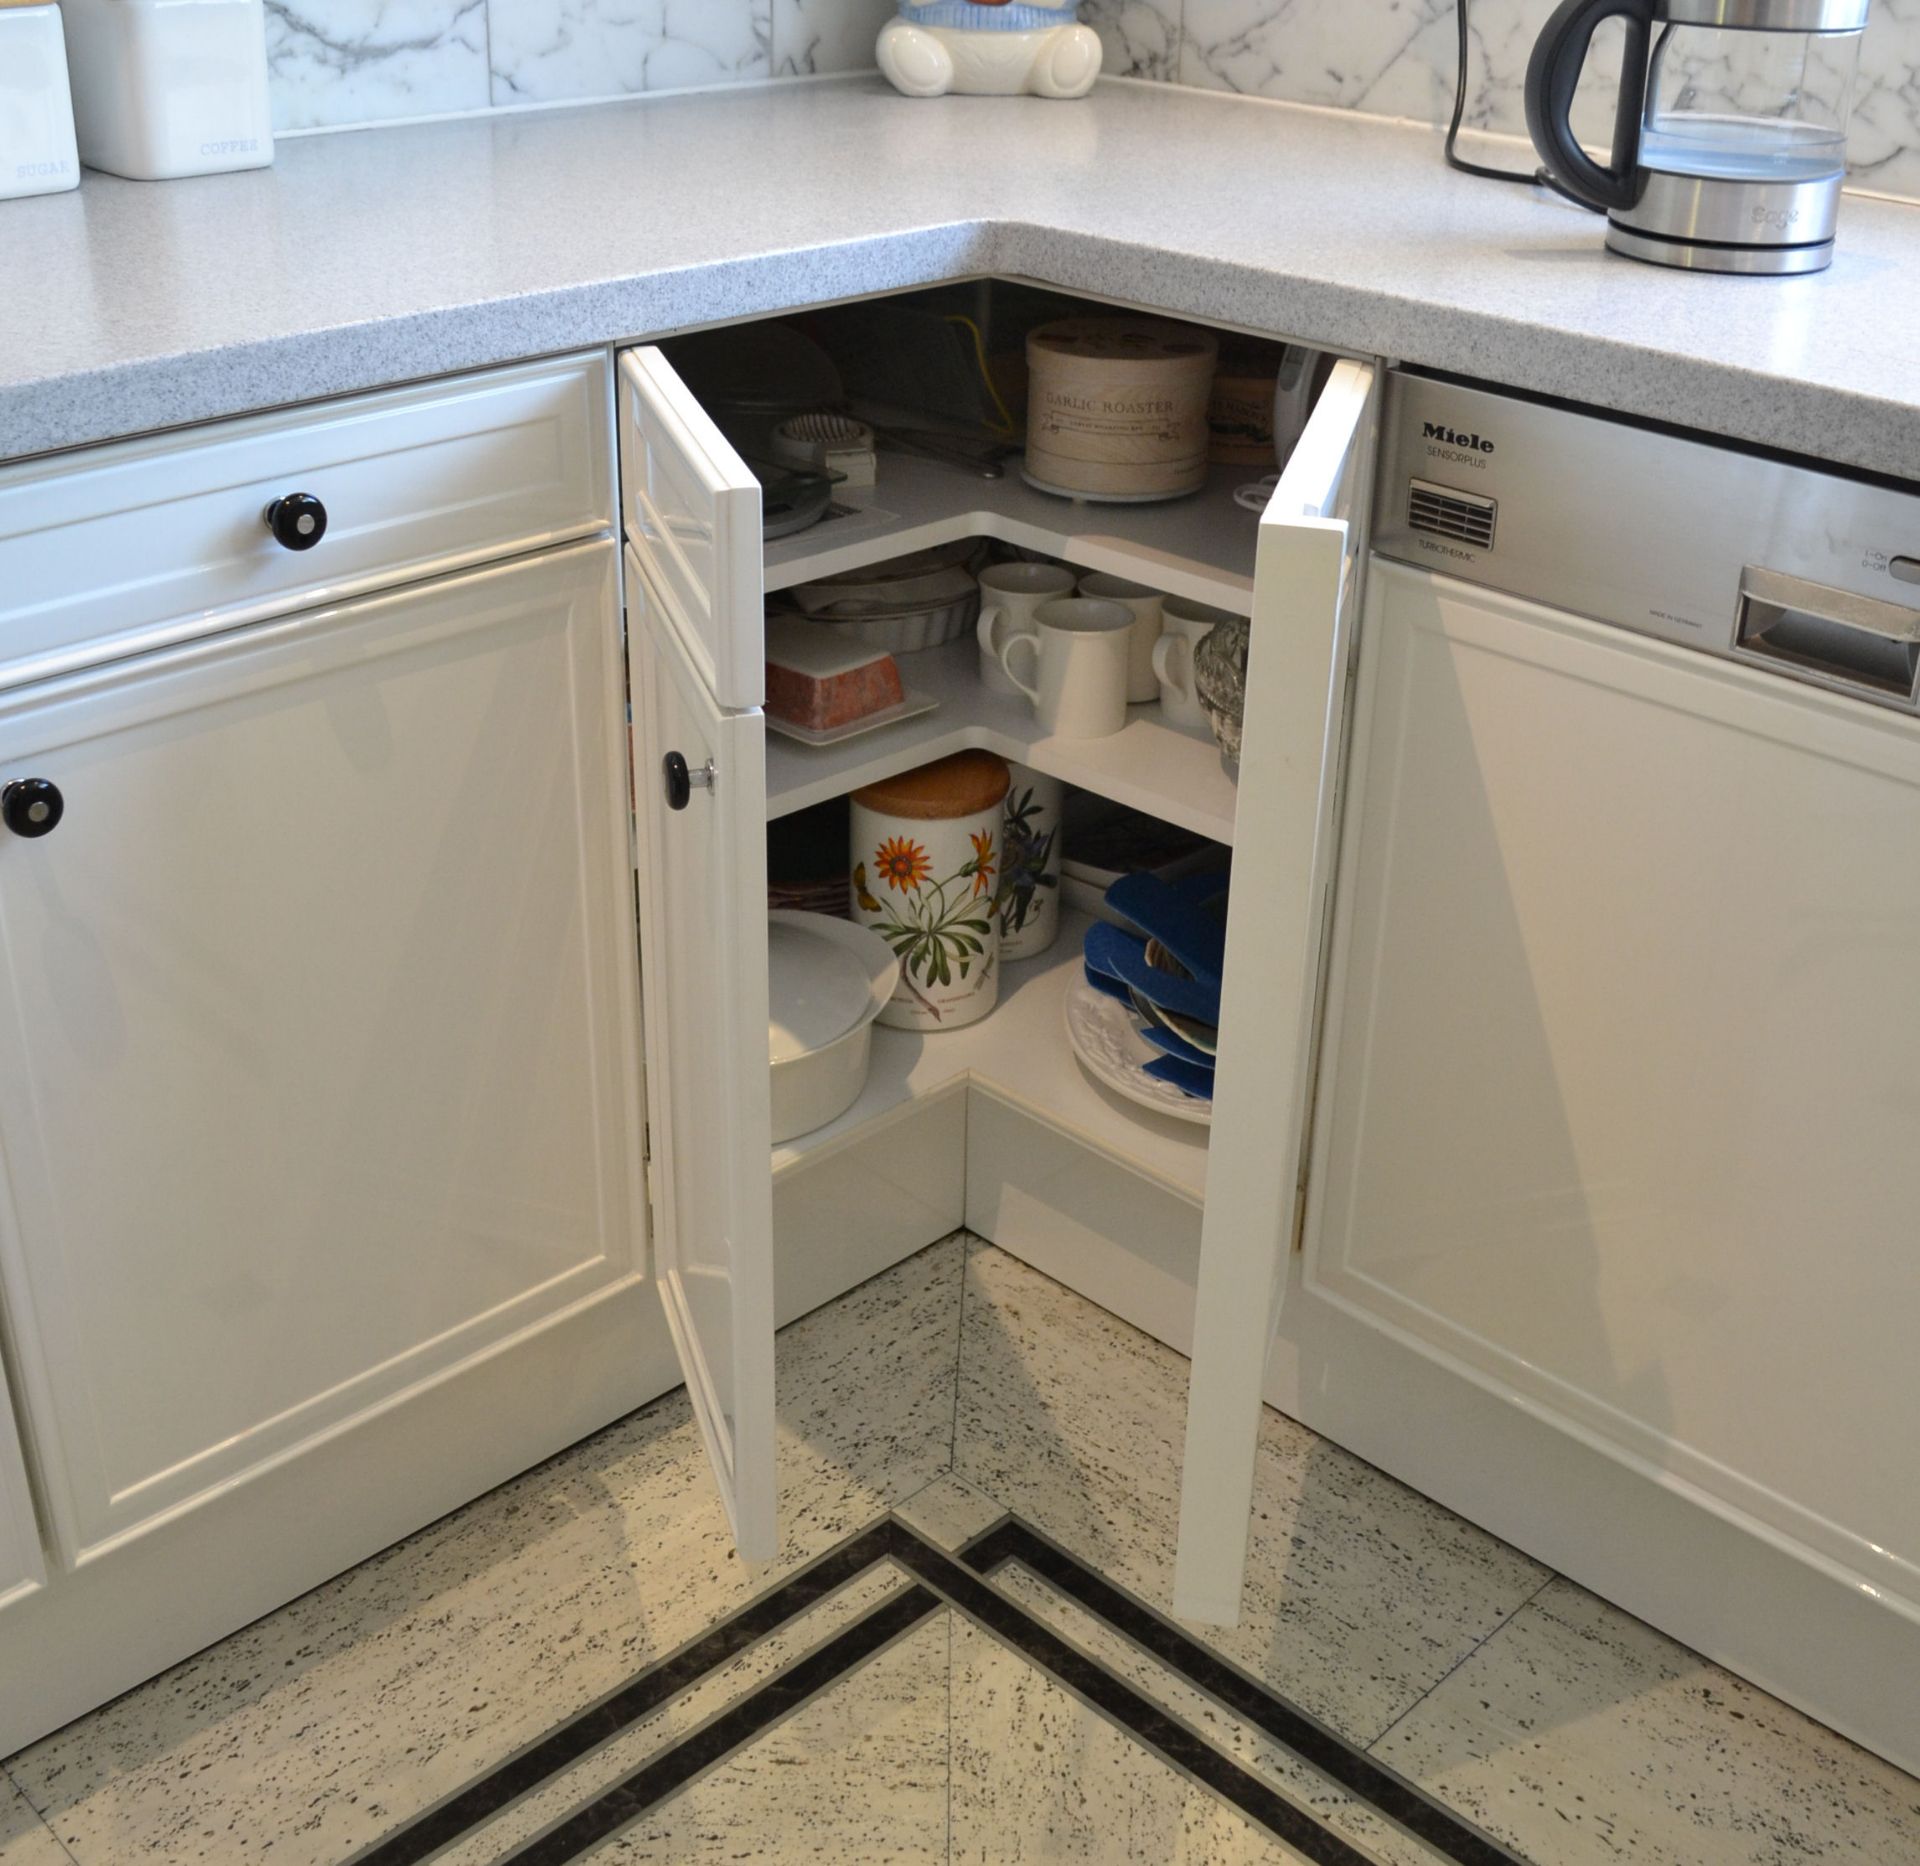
240	145
1439	431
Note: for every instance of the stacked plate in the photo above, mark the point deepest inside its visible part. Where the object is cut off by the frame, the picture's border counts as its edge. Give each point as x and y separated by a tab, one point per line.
1144	1018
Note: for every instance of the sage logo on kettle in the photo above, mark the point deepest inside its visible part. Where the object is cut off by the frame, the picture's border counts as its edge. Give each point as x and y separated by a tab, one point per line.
1729	132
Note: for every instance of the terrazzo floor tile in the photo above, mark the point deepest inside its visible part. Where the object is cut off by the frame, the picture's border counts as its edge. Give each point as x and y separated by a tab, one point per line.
1581	1735
1252	1749
647	1738
857	1775
329	1722
949	1513
1039	1775
1360	1594
25	1839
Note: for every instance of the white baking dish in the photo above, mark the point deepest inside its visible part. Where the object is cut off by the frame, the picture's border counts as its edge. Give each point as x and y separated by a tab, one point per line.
828	980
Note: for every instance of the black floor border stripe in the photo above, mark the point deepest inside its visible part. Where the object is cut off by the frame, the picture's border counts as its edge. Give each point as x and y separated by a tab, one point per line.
547	1756
631	1798
1146	1722
933	1575
1381	1788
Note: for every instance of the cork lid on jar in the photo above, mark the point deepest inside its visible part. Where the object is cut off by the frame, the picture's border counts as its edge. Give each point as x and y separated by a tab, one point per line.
962	785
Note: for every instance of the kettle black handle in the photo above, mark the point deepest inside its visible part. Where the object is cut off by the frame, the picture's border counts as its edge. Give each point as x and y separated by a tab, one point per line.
1553	75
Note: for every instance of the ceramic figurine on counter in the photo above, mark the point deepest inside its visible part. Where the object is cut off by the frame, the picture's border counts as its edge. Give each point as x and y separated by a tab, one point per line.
989	48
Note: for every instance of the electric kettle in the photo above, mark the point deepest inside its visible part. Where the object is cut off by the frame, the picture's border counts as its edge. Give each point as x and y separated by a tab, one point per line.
1730	134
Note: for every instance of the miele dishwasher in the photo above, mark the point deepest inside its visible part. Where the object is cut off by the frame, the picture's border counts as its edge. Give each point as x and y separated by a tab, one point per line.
1620	1071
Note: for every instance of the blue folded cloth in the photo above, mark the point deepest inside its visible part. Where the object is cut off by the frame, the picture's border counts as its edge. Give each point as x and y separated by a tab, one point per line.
1176	1046
1196	1082
1188	917
1114	953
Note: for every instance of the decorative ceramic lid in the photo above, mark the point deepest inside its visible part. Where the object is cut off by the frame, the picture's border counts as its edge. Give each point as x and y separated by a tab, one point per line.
962	785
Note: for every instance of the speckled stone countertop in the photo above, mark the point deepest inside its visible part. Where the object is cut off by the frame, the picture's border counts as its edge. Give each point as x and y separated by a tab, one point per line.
386	255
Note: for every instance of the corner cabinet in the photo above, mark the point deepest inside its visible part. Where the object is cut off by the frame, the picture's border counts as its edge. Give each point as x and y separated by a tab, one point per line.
695	672
1300	669
708	781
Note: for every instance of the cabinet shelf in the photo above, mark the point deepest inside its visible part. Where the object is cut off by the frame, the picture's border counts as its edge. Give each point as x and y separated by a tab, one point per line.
1149	765
1200	547
1019	1052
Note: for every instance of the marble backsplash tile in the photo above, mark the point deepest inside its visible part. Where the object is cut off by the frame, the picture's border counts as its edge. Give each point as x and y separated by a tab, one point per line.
813	37
356	61
544	51
1396	58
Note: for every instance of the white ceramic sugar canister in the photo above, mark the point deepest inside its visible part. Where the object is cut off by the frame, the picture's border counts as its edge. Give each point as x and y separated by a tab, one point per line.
163	88
926	849
37	153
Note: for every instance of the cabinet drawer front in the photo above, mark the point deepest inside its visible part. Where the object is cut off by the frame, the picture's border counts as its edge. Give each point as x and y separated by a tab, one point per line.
692	513
319	1010
130	547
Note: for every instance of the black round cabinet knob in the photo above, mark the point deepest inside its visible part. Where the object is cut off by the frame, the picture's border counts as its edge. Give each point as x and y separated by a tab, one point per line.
298	520
679	781
32	806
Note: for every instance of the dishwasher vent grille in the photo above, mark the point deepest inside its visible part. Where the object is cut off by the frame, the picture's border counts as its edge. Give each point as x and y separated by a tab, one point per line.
1465	517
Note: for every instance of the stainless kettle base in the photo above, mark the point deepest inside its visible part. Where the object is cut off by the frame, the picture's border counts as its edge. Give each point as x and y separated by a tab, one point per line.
1709	256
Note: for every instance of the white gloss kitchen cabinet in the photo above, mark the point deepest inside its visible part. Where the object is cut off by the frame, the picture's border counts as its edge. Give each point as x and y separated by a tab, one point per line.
995	1126
321	1112
22	1565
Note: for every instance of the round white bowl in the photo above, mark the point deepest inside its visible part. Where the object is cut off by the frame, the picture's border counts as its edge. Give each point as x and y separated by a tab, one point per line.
830	979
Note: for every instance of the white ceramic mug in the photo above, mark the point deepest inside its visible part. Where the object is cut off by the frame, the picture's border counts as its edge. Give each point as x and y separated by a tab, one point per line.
1009	595
1078	647
1145	606
1184	626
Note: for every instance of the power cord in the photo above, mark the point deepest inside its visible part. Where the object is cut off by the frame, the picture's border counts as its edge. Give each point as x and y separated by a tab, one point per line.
1537	177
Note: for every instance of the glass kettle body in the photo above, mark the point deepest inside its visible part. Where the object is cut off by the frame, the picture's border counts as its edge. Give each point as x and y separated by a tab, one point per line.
1730	133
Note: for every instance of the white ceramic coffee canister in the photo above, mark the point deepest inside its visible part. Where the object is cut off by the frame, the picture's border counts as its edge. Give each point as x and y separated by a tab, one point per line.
1030	864
1184	626
1145	605
37	153
1076	654
163	88
1009	596
926	850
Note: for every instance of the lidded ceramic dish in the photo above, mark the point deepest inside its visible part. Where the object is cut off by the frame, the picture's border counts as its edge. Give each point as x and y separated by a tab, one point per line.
827	980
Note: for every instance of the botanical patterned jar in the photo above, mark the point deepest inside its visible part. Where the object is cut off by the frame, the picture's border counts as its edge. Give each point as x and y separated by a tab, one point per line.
926	874
1029	893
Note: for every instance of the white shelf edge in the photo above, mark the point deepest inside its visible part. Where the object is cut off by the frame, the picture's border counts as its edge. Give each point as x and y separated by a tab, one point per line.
1157	544
1149	765
911	1069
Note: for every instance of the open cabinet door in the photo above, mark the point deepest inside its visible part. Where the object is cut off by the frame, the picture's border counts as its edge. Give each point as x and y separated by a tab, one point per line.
703	963
1305	573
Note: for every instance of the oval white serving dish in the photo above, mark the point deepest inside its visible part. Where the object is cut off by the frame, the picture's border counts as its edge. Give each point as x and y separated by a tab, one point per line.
828	980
